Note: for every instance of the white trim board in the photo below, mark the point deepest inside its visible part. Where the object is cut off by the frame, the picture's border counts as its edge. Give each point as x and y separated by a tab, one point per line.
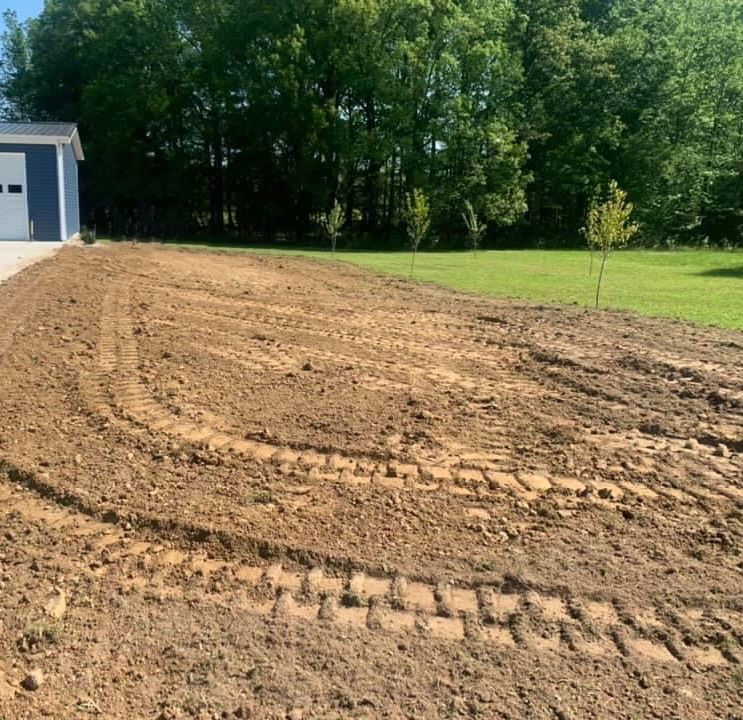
74	140
61	193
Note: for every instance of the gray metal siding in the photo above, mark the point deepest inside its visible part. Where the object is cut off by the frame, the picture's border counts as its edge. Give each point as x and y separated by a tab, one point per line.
39	129
41	176
71	195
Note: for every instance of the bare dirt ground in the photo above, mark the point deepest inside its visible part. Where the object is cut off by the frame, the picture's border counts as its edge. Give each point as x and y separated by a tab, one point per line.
252	487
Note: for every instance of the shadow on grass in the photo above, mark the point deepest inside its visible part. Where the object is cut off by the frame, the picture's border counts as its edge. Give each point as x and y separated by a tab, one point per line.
729	272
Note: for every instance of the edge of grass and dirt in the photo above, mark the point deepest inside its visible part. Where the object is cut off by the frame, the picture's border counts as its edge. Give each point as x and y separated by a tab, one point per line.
704	287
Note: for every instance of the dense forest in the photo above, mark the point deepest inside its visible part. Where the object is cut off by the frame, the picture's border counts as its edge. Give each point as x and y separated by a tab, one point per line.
251	117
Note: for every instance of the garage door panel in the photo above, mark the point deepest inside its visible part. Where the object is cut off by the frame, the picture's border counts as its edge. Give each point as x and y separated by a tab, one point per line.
13	197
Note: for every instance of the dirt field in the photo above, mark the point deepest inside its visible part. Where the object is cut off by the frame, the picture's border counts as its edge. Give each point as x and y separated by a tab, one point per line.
252	487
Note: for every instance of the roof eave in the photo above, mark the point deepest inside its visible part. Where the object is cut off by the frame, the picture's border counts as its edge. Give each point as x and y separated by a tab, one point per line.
73	140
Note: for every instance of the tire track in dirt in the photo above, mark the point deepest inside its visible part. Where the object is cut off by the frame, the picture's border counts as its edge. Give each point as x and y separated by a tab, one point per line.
710	380
281	360
473	475
713	477
23	301
369	334
377	320
504	380
95	388
288	356
508	381
702	476
506	615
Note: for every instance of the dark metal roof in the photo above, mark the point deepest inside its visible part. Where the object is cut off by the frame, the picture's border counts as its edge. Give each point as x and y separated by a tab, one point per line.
44	129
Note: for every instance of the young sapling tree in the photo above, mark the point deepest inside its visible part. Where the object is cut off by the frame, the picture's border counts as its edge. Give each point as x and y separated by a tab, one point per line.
417	221
609	226
332	223
475	229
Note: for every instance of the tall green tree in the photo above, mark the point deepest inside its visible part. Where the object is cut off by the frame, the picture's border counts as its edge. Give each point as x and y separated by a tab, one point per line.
252	117
682	100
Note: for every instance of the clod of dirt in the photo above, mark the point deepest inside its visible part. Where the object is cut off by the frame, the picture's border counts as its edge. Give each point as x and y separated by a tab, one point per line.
328	609
33	681
56	606
722	451
7	691
352	599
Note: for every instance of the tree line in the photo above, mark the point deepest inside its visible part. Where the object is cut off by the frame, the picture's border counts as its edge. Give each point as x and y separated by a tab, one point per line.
255	117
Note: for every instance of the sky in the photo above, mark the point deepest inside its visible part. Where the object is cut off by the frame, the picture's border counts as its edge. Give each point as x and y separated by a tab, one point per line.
24	8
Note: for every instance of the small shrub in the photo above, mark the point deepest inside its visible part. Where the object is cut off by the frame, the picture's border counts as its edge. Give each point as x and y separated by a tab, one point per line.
475	229
87	236
331	223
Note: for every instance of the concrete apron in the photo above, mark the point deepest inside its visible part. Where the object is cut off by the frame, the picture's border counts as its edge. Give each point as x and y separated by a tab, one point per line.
14	256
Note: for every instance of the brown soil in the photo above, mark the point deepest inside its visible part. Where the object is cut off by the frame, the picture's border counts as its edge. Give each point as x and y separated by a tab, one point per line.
241	486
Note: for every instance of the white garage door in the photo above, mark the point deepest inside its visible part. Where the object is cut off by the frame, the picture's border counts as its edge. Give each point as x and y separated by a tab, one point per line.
13	205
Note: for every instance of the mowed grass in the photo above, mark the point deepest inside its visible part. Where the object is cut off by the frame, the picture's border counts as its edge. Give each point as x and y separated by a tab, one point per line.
701	286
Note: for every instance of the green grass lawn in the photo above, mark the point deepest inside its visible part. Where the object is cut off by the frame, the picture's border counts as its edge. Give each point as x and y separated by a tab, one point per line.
698	285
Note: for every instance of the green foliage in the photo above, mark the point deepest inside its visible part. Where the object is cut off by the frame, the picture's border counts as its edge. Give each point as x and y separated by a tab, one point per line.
417	221
16	91
87	236
608	226
332	222
677	100
251	116
475	229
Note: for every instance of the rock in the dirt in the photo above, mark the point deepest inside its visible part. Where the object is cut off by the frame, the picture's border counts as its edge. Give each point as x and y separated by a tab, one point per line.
722	451
307	367
33	681
691	444
56	606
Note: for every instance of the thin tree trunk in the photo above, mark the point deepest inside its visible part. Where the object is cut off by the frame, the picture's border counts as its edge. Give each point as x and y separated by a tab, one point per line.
217	184
350	202
385	193
601	277
392	196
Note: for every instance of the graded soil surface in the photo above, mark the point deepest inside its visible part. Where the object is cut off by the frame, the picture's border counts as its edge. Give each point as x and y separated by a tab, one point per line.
237	486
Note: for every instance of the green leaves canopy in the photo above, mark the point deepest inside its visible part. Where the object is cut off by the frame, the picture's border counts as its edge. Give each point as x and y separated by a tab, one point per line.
255	116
